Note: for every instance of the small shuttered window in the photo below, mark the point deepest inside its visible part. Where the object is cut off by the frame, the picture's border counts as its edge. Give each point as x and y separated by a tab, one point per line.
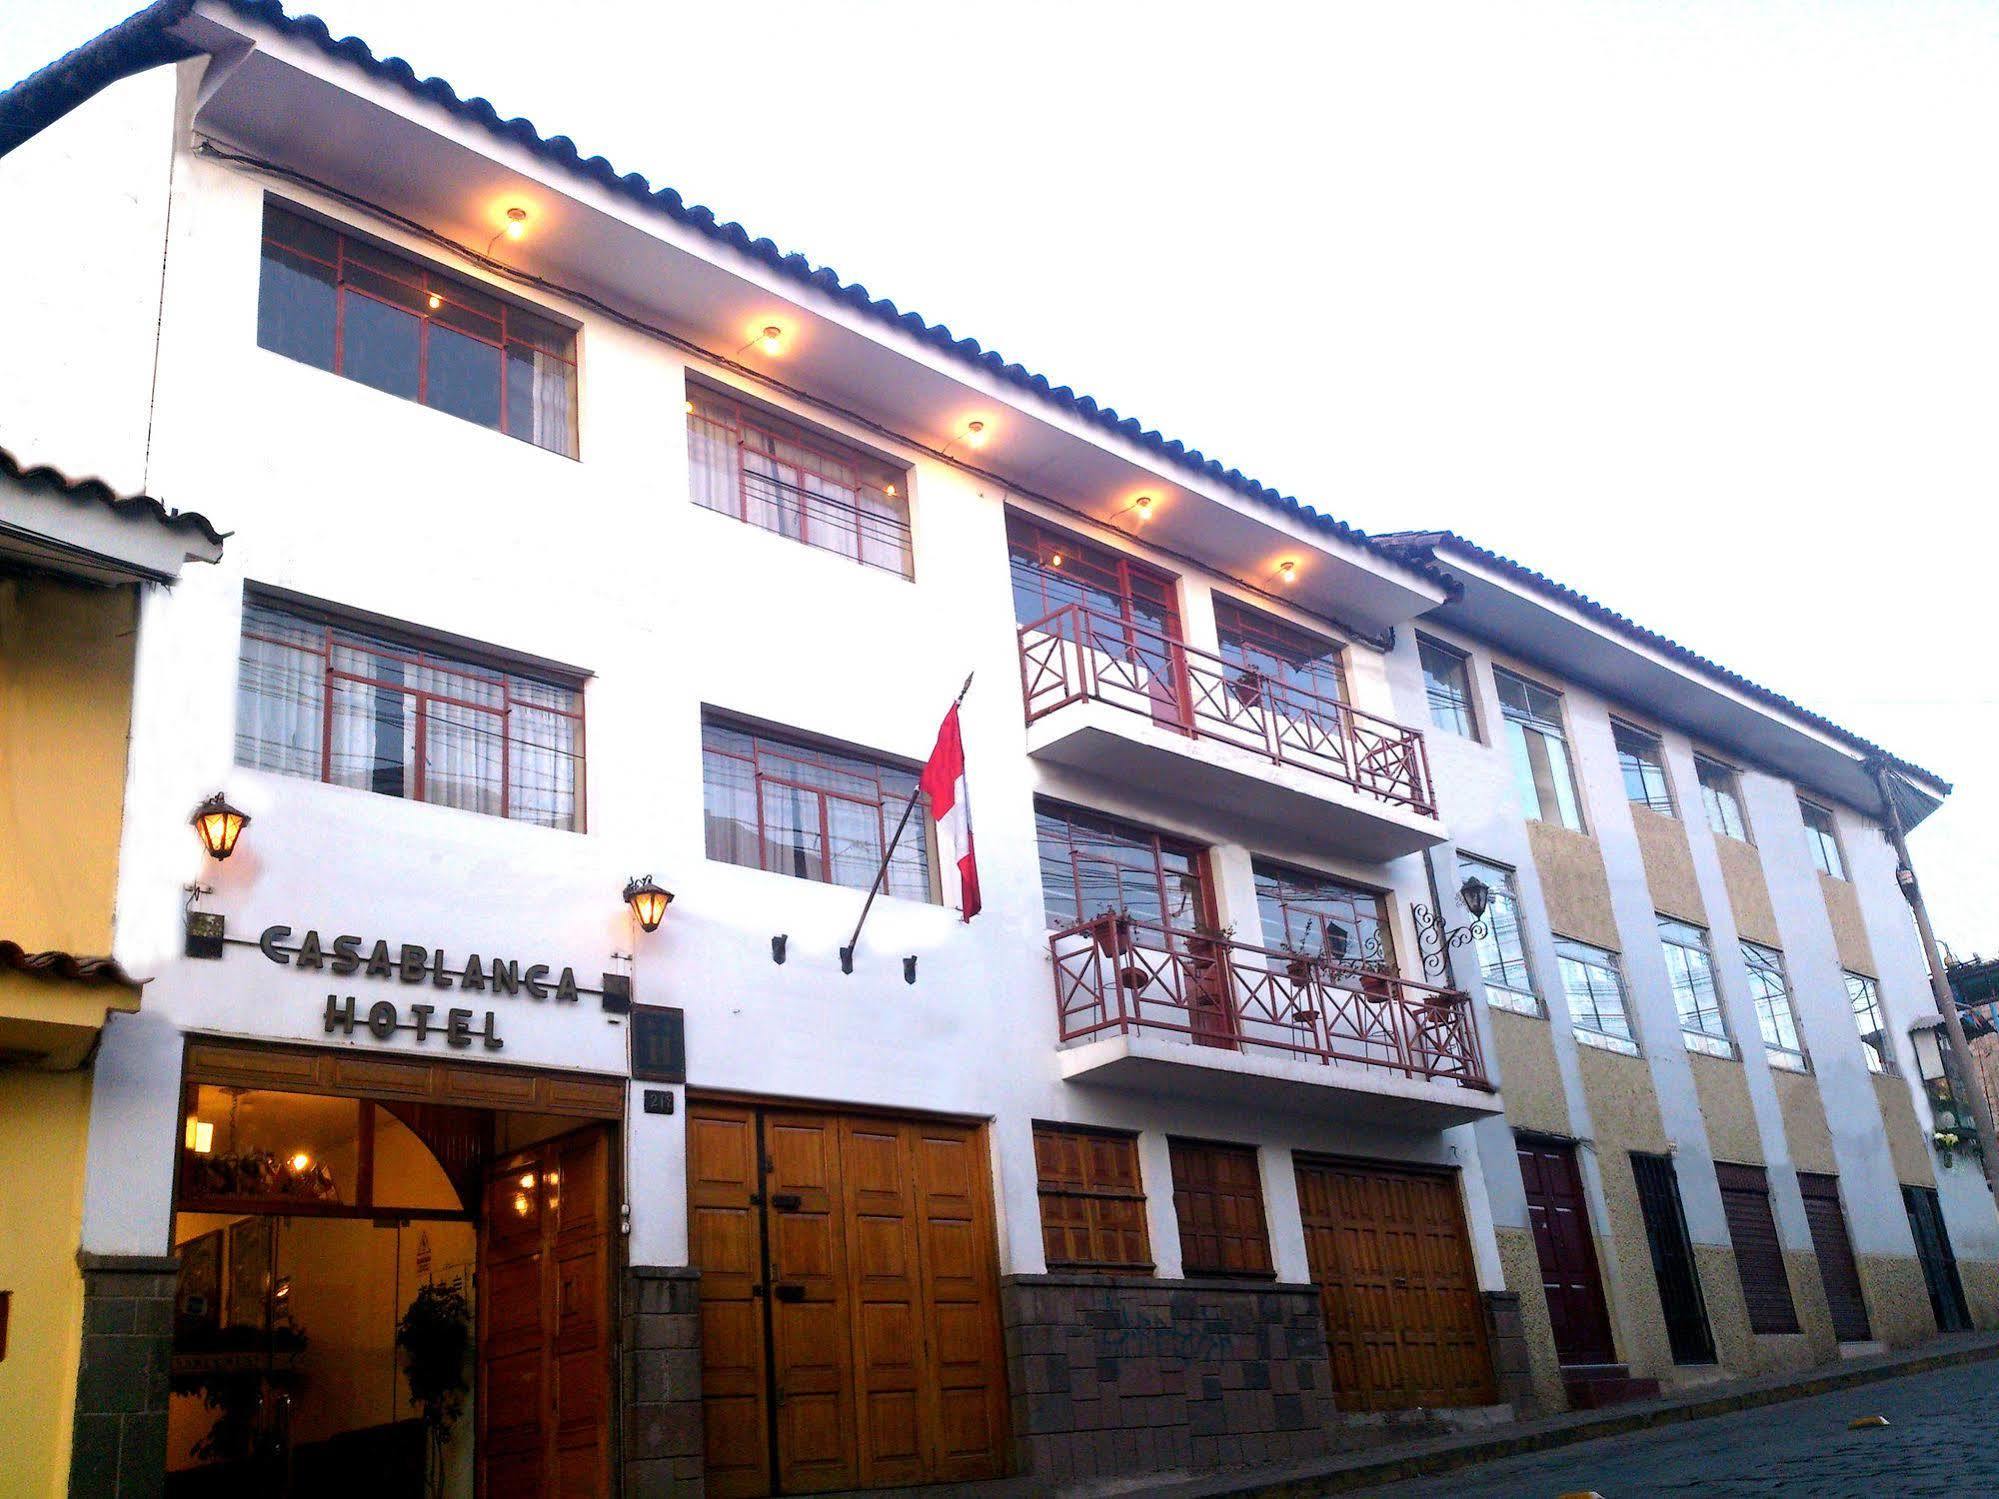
1759	1255
1092	1204
1218	1198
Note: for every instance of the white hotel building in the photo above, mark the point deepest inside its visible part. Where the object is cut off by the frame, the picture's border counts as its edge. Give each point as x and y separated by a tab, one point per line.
575	537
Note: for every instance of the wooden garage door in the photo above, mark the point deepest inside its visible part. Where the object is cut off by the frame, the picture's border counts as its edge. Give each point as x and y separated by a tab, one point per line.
849	1300
1404	1324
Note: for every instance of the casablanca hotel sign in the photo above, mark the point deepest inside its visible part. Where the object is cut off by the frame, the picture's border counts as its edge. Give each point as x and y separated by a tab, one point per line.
454	1025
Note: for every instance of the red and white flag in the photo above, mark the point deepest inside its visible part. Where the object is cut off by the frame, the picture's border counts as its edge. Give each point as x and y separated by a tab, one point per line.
943	781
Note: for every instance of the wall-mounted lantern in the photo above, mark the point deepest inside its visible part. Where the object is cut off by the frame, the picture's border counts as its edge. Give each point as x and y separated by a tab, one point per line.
218	825
1476	895
648	901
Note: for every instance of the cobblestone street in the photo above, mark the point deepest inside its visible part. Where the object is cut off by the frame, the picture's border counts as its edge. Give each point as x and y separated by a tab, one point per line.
1937	1444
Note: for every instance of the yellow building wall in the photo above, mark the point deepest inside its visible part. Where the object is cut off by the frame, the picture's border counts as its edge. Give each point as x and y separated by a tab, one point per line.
44	1119
66	664
66	661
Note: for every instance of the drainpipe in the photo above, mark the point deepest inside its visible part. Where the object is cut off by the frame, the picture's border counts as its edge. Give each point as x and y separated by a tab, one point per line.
1960	1049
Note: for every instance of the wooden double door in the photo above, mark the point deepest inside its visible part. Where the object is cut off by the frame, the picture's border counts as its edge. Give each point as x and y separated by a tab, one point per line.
544	1394
850	1331
1388	1248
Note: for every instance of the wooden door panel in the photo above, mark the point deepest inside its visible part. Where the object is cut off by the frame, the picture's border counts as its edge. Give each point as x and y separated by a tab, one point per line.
810	1335
1404	1323
884	1342
544	1392
1570	1277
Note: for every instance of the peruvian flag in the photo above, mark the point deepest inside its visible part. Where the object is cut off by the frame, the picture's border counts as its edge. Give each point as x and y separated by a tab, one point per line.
943	781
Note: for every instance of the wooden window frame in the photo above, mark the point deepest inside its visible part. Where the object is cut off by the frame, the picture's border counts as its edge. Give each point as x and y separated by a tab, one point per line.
1091	1194
1236	621
782	750
429	284
1115	571
419	649
1195	854
1182	1148
738	416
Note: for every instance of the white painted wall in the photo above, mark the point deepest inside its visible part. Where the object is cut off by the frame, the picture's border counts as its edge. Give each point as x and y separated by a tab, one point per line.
340	492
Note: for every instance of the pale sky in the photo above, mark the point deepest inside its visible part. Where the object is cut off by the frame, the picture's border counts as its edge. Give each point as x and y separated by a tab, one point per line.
1693	306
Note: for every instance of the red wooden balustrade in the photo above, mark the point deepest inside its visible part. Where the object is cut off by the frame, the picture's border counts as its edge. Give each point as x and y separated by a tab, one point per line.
1115	975
1078	654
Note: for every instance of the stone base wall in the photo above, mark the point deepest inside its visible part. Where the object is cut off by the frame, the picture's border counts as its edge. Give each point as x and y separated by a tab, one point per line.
1115	1376
1898	1302
661	1419
1512	1362
119	1446
1522	1268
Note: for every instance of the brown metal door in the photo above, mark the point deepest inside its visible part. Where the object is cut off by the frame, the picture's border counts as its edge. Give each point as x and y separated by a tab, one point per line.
1834	1250
1389	1250
849	1299
544	1400
1569	1273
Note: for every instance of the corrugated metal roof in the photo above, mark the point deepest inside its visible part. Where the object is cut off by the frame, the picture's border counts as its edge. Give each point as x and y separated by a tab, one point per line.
65	965
142	41
96	491
1431	543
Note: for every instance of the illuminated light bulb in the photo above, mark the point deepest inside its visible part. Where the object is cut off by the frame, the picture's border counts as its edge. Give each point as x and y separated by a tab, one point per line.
527	1182
521	1204
517	222
300	1161
1054	559
975	434
435	301
889	491
773	339
1143	505
690	408
1288	570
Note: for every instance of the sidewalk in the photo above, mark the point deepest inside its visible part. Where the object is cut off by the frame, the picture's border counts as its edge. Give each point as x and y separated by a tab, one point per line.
1385	1465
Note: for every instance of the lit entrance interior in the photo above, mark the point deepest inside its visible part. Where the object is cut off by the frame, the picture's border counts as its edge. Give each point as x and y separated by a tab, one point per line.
341	1255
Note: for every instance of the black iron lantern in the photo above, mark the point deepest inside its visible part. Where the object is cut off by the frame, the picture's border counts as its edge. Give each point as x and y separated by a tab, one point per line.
218	825
648	901
1476	895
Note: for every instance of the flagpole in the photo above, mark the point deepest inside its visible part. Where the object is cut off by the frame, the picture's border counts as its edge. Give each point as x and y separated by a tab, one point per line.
881	872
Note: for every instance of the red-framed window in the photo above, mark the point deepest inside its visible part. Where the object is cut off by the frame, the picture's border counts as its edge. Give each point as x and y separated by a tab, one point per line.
329	299
1052	568
1092	864
812	813
748	462
1282	654
408	718
1315	913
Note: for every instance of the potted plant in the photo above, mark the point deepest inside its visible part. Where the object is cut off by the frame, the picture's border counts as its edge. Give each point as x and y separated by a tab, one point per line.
435	1335
1248	685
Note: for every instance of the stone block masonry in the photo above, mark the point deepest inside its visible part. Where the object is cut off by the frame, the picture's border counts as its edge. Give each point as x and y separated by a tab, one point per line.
662	1382
119	1448
1112	1376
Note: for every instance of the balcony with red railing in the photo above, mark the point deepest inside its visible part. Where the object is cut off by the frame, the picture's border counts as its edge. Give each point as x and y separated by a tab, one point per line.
1141	1005
1118	698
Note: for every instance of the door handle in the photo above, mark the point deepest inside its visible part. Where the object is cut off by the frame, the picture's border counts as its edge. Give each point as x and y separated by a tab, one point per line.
788	1291
786	1202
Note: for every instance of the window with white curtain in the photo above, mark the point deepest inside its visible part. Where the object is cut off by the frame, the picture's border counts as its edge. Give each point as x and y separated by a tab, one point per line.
1864	995
322	700
1721	796
746	461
